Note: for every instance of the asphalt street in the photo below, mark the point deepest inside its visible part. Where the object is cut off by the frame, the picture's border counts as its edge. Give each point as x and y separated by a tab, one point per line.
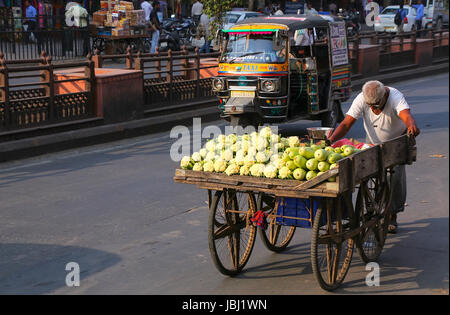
115	210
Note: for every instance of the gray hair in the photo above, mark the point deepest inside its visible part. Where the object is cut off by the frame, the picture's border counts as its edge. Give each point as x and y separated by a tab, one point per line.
373	92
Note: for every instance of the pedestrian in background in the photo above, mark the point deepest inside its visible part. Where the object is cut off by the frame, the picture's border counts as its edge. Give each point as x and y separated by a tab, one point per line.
269	9
196	11
156	26
332	7
204	26
30	20
147	7
309	10
399	18
419	17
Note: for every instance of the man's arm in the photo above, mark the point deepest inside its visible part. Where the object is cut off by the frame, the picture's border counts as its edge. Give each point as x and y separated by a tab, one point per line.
342	129
407	118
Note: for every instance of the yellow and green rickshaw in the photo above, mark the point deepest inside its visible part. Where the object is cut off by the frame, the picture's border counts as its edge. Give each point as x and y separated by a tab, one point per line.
277	68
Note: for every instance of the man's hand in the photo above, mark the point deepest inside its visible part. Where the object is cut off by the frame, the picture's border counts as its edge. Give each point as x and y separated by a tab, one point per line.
406	117
342	129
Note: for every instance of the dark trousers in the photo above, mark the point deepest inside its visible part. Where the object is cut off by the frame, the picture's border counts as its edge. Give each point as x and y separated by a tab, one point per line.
419	28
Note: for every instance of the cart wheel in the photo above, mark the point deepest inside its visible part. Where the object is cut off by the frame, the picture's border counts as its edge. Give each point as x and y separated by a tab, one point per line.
372	215
231	234
331	250
277	237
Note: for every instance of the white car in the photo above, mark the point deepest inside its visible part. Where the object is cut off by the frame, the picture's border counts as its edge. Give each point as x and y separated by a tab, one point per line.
233	17
385	20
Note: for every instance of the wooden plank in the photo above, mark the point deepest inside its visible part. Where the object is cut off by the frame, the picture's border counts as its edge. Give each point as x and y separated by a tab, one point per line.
366	163
345	178
194	177
395	151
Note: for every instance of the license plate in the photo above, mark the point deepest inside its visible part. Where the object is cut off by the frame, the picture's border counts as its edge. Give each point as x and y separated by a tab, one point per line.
388	27
242	93
163	44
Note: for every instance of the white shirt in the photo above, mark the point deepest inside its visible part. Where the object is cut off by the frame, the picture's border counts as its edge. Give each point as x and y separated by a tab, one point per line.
310	12
147	7
197	9
385	126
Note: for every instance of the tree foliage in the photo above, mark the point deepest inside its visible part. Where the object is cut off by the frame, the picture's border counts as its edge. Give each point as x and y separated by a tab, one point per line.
217	9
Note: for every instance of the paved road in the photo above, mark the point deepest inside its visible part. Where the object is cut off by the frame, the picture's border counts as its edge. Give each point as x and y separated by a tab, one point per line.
114	210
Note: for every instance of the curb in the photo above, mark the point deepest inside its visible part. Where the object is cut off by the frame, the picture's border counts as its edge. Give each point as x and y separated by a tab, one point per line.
19	149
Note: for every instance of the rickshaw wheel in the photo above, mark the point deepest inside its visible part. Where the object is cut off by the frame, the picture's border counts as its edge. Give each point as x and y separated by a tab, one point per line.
277	237
332	117
371	209
231	235
331	250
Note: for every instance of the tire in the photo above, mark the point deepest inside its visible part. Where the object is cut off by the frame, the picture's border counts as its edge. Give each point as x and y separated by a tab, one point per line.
271	237
332	117
239	233
372	204
243	121
336	255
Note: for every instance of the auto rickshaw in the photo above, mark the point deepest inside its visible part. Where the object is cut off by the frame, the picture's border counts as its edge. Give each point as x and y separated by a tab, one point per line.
277	68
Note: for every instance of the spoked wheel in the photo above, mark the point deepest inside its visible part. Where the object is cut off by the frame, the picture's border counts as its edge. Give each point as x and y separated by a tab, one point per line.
372	215
231	233
277	237
331	245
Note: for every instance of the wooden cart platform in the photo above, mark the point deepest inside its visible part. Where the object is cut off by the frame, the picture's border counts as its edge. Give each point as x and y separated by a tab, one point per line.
350	171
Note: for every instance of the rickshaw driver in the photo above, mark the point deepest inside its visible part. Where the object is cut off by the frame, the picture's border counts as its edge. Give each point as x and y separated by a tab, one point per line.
386	115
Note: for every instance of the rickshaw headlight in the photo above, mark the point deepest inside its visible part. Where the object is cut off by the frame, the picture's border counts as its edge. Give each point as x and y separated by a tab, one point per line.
309	64
269	85
218	84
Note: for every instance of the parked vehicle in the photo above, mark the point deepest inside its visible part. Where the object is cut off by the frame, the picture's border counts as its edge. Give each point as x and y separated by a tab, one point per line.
435	13
169	40
352	23
277	68
233	17
385	21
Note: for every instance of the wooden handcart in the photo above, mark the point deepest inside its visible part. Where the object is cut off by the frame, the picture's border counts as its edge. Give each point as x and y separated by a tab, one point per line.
112	45
341	221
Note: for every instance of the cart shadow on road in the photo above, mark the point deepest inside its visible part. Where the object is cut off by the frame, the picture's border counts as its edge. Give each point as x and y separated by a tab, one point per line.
41	268
294	261
415	259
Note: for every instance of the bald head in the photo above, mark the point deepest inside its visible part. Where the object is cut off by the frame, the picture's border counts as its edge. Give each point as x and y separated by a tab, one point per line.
373	92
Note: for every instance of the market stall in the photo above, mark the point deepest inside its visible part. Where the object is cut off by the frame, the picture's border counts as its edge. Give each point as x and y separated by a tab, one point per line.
116	26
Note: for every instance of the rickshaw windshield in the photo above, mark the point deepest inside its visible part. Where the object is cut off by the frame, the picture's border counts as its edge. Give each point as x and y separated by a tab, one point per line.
252	47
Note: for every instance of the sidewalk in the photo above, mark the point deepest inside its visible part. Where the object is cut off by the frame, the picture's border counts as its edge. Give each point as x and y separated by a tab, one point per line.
18	149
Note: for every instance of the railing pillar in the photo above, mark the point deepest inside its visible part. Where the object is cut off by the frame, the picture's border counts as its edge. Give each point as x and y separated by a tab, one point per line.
48	86
138	62
170	74
97	59
4	89
90	85
158	65
197	72
185	63
129	59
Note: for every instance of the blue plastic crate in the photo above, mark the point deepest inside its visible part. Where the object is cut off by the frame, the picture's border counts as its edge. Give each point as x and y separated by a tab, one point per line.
301	208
